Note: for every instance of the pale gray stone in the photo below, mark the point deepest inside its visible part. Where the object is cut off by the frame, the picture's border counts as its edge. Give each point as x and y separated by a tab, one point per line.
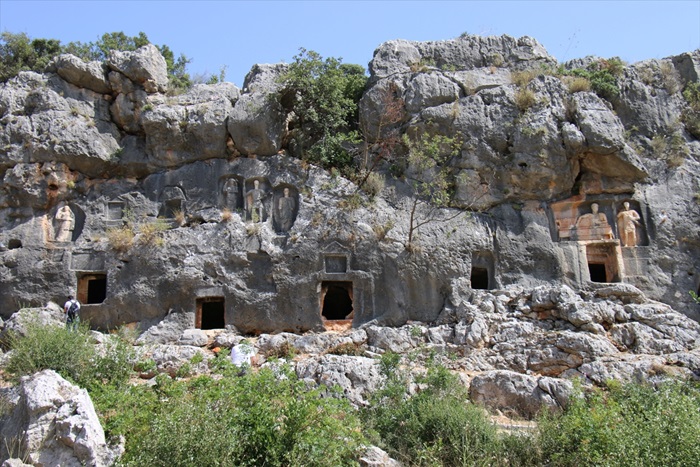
357	377
521	394
193	337
57	424
144	66
91	75
376	457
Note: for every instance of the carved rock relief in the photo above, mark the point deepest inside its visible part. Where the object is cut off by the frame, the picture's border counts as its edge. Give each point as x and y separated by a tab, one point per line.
576	219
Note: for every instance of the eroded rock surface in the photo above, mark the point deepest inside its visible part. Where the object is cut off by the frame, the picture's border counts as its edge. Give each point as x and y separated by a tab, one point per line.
54	423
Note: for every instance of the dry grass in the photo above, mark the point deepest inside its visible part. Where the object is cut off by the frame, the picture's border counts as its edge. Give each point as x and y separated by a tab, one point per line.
226	215
524	99
577	84
121	238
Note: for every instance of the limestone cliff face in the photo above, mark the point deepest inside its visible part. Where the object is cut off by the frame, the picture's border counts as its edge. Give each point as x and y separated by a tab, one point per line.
97	159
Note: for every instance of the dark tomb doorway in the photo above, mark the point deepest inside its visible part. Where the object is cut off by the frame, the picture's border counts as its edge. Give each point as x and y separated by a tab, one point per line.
597	272
336	301
602	262
480	278
92	288
210	313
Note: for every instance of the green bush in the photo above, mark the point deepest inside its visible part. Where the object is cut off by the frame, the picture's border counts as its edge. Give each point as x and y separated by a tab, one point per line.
72	354
323	95
52	347
627	425
437	426
602	76
691	116
263	418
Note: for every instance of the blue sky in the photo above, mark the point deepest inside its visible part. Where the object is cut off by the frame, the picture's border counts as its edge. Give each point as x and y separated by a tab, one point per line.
238	34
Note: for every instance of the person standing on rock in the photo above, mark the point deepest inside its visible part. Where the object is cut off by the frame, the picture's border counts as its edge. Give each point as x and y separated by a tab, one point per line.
72	310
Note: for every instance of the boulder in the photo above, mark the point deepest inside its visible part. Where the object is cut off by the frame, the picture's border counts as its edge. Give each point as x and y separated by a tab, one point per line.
91	75
193	337
376	457
257	121
144	66
520	394
174	359
168	330
56	424
357	377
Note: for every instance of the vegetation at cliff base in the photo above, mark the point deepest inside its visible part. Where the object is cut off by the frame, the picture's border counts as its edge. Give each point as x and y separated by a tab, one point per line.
269	416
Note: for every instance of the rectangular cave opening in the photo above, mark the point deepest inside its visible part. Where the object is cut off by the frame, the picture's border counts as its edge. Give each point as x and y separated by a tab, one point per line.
336	300
210	313
480	278
92	288
602	263
597	272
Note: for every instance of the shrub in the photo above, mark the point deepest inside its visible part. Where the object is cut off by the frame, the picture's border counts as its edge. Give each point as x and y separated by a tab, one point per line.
71	354
151	233
121	238
348	348
602	76
381	230
670	77
351	202
523	78
626	425
691	116
285	350
226	215
52	347
436	426
672	149
264	418
577	84
374	184
524	99
323	96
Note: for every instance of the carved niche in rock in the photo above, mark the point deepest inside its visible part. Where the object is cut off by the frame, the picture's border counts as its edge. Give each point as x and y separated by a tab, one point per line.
592	226
628	223
256	196
172	200
285	207
231	192
67	223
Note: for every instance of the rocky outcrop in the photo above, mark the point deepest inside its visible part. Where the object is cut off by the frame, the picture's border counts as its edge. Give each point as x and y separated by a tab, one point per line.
189	206
53	422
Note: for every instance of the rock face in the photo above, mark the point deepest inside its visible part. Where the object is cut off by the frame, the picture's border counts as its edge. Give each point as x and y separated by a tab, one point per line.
54	423
147	205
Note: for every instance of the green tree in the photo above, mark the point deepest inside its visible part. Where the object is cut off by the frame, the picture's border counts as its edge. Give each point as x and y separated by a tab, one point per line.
430	174
20	53
323	94
100	49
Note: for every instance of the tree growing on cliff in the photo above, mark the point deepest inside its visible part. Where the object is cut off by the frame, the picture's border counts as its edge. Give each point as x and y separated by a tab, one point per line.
100	49
323	95
429	172
20	53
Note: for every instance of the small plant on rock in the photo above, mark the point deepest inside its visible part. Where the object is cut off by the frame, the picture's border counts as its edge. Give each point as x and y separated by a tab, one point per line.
121	239
226	215
524	99
151	233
